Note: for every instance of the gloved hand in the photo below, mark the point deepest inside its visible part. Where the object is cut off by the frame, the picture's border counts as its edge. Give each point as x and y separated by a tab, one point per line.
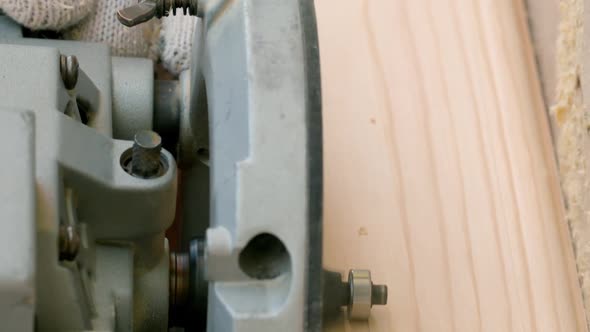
95	20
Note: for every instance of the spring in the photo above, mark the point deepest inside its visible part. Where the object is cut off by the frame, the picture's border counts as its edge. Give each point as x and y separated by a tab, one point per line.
188	6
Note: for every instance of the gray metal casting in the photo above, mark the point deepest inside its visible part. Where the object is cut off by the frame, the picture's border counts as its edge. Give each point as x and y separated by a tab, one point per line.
121	263
251	70
133	101
18	242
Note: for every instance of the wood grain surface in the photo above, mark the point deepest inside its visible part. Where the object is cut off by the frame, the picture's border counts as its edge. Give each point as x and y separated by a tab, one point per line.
440	174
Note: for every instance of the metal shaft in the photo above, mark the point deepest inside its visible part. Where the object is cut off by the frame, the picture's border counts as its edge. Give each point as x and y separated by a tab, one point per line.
378	294
145	160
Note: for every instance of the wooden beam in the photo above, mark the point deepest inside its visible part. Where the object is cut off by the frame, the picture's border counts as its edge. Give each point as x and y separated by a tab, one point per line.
440	173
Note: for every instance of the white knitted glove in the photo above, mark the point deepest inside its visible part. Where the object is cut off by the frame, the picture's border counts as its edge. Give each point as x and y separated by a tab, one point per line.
176	38
98	23
102	26
47	14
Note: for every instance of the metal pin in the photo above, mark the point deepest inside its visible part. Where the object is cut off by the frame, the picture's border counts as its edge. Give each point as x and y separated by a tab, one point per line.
145	159
379	295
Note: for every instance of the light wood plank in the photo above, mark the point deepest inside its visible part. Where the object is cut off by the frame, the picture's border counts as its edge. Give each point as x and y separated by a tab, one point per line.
439	168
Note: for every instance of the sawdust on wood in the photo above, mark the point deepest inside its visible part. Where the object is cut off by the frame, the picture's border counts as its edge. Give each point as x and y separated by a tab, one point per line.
573	137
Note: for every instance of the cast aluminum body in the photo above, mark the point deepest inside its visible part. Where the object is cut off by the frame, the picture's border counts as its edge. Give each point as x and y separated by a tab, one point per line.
118	280
259	67
251	99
